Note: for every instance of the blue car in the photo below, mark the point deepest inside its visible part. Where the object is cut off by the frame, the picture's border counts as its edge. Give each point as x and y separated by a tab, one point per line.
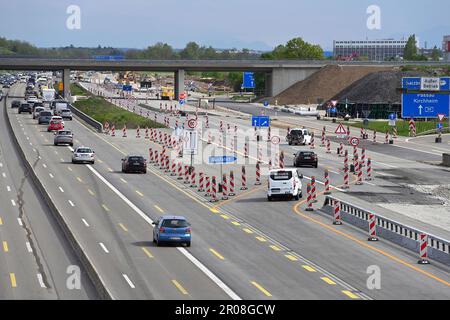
172	229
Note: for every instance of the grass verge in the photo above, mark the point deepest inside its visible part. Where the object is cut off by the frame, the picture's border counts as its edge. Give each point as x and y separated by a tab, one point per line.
402	126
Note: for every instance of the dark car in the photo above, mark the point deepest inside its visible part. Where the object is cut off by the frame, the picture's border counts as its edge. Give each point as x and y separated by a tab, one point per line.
45	117
134	164
305	158
25	107
295	137
15	104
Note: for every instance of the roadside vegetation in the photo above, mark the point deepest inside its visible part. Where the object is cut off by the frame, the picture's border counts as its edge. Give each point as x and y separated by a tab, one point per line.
402	126
102	111
76	90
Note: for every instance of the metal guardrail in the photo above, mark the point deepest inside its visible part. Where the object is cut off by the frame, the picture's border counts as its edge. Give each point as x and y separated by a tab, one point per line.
92	122
391	230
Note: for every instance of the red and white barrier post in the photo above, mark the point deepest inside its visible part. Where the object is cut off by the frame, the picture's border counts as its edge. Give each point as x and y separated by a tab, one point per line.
327	182
312	146
214	190
369	170
174	169
150	155
309	199
337	213
186	174
138	132
328	146
341	149
374	137
313	189
224	187
156	162
180	171
246	150
258	174
113	131
146	133
231	192
243	179
201	182
193	182
281	163
423	249
207	187
124	131
372	228
346	178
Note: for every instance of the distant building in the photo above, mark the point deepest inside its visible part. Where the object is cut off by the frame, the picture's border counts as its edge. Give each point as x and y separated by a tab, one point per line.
446	48
375	50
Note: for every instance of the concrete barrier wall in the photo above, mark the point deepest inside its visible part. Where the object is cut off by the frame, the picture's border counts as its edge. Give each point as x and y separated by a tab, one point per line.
403	235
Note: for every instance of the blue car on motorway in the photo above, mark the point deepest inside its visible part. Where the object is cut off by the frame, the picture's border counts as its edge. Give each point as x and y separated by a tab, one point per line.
172	229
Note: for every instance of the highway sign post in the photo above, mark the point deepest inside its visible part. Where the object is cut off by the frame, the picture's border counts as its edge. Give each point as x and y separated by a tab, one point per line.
248	80
190	143
221	160
340	131
354	141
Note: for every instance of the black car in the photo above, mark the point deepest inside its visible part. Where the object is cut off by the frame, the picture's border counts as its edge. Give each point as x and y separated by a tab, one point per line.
15	104
305	158
45	117
134	164
295	137
25	107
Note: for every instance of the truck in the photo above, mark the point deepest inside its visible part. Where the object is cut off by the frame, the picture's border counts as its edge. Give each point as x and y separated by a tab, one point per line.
48	94
167	93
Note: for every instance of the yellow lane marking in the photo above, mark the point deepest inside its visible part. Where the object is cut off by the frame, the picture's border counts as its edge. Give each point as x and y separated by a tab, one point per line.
158	208
1	222
225	216
350	294
328	280
267	293
79	179
123	180
218	255
139	193
247	230
244	194
179	286
291	257
12	277
5	246
100	161
236	223
275	248
308	268
261	239
214	210
123	227
105	207
91	192
147	252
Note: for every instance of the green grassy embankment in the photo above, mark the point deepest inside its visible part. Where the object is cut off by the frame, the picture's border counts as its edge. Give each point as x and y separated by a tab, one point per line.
402	126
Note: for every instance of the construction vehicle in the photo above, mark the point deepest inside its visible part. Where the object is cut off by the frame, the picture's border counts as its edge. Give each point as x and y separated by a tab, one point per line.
167	93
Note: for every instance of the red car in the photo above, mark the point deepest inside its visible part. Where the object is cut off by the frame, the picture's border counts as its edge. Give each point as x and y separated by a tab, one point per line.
55	125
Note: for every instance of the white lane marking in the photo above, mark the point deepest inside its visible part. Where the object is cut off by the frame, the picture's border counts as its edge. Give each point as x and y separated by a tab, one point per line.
34	150
13	202
71	203
334	172
440	151
131	284
44	165
20	222
28	245
4	175
418	150
31	144
85	222
61	189
384	164
103	247
41	281
8	188
187	254
51	176
28	138
1	165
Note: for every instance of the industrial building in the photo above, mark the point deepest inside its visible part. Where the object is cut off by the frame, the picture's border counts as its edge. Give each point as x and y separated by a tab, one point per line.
374	50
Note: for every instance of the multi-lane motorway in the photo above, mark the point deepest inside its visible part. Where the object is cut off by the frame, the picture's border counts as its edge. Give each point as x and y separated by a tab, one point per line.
243	248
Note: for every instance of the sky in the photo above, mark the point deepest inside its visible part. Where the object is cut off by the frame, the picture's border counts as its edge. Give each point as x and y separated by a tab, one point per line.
253	24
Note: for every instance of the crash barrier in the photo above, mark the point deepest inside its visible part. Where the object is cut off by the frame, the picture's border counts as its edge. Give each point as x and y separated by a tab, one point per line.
391	230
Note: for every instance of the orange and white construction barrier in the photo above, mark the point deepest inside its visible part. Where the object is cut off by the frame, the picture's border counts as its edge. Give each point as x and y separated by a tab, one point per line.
258	174
193	181
327	182
150	155
224	187
207	187
313	189
138	132
231	192
309	199
243	179
124	131
374	137
113	131
281	163
186	174
312	146
337	213
423	249
369	170
214	190
328	146
201	182
146	133
372	228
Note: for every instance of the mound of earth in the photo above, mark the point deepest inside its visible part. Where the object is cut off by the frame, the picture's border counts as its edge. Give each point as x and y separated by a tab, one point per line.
324	84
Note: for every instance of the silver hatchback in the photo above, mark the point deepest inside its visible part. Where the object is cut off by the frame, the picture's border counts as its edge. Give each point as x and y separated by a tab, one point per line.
63	137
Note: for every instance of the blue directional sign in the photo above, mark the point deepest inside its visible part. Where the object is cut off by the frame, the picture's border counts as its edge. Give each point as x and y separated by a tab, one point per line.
260	121
248	80
392	116
266	103
181	101
440	126
109	58
127	88
425	105
414	83
221	159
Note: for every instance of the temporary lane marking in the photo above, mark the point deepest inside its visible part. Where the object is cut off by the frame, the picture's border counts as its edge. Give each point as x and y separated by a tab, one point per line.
147	219
158	208
147	252
51	175
91	192
105	207
61	189
218	255
328	280
28	245
70	169
131	284
236	223
41	280
12	277
275	248
20	222
8	188
246	230
261	239
85	222
44	165
260	288
350	294
5	246
179	287
214	210
103	247
61	159
110	170
1	222
100	161
123	180
71	203
308	268
79	180
291	257
139	193
4	175
225	216
123	227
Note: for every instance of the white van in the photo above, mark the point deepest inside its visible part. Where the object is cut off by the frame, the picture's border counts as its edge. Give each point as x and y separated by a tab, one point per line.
284	183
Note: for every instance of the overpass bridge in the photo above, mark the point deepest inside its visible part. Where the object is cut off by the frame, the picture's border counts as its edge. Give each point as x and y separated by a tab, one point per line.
279	74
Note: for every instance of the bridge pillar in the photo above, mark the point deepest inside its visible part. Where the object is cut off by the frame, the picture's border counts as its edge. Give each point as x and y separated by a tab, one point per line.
66	83
282	78
179	83
268	84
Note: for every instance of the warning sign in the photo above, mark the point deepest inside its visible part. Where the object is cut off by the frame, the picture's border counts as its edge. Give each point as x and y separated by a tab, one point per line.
340	129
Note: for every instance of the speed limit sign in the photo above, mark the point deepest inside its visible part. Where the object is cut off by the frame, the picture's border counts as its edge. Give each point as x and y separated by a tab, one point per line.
192	123
354	141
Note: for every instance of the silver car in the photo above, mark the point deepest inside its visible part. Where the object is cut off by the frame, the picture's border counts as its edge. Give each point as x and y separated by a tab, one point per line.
83	155
63	137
